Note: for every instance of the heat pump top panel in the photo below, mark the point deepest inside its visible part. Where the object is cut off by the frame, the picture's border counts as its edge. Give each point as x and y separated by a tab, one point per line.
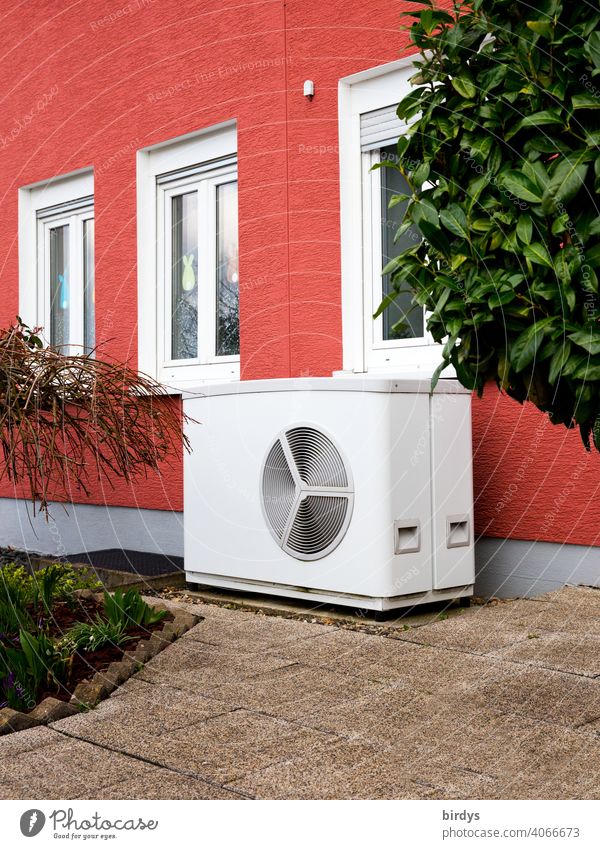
352	383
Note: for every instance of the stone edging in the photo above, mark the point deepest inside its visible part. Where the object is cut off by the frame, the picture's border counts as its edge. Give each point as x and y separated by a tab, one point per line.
89	692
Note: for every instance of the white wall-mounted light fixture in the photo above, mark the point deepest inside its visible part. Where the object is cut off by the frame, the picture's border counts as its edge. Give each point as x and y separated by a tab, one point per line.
309	89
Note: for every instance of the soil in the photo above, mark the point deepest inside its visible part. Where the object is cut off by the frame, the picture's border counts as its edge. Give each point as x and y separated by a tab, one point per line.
86	664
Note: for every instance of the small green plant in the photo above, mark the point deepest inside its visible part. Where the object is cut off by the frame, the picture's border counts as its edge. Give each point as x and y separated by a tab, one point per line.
45	585
76	579
15	594
129	609
46	659
38	662
15	585
13	617
91	636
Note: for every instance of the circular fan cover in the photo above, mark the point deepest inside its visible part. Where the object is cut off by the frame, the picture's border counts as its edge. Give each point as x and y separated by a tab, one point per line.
307	493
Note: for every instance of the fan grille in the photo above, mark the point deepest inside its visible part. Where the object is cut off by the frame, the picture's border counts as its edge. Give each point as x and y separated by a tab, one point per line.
307	494
318	521
317	459
279	489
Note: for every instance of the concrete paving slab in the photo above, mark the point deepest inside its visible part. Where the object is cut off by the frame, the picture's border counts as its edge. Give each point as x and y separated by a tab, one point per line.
541	694
352	770
250	631
582	598
202	666
220	749
472	633
354	653
12	745
70	768
164	784
578	654
420	726
303	608
554	614
295	691
140	708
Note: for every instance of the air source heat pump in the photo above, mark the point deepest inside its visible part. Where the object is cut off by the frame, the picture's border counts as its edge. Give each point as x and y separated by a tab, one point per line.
349	490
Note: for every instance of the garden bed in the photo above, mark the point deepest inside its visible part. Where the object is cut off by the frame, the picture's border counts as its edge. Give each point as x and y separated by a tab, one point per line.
85	664
64	646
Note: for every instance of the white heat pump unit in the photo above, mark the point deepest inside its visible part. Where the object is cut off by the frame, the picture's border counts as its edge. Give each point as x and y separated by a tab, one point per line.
348	490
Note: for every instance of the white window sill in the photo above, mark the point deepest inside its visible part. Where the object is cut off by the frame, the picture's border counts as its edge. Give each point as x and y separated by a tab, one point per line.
423	372
182	387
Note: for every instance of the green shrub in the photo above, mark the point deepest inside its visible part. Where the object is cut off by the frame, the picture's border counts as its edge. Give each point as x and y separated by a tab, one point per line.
503	160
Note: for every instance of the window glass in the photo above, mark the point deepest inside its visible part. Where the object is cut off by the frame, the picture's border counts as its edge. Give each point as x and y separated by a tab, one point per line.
89	304
184	276
228	318
404	319
60	298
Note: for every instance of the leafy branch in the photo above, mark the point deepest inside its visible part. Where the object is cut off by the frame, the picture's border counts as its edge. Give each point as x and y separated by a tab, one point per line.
503	159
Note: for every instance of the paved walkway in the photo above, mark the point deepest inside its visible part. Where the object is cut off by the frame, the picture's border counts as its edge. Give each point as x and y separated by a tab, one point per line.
500	702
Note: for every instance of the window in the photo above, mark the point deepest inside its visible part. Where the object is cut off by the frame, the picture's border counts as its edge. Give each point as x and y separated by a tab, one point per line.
66	276
369	130
56	258
189	278
403	323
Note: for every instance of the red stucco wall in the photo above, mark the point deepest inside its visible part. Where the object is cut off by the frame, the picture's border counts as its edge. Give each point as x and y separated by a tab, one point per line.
125	75
532	480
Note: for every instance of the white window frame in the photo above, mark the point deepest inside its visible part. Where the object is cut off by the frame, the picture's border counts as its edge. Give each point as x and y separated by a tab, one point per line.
66	200
211	158
75	222
364	349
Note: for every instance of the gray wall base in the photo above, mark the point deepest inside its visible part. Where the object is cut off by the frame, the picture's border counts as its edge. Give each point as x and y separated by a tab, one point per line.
89	527
506	568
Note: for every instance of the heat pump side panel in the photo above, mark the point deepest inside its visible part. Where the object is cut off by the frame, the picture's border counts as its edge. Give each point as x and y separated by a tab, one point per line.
409	493
452	491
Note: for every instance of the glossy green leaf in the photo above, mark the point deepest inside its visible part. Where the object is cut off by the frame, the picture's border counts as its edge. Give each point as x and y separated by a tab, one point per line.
588	339
524	229
592	49
525	346
455	220
521	186
558	361
586	101
567	179
538	253
544	28
464	85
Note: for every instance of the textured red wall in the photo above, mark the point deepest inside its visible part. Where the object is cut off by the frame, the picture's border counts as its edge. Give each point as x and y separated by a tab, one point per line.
532	480
124	75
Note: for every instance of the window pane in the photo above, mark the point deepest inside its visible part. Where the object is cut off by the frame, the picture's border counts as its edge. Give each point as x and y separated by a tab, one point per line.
60	298
89	306
404	309
184	276
228	313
